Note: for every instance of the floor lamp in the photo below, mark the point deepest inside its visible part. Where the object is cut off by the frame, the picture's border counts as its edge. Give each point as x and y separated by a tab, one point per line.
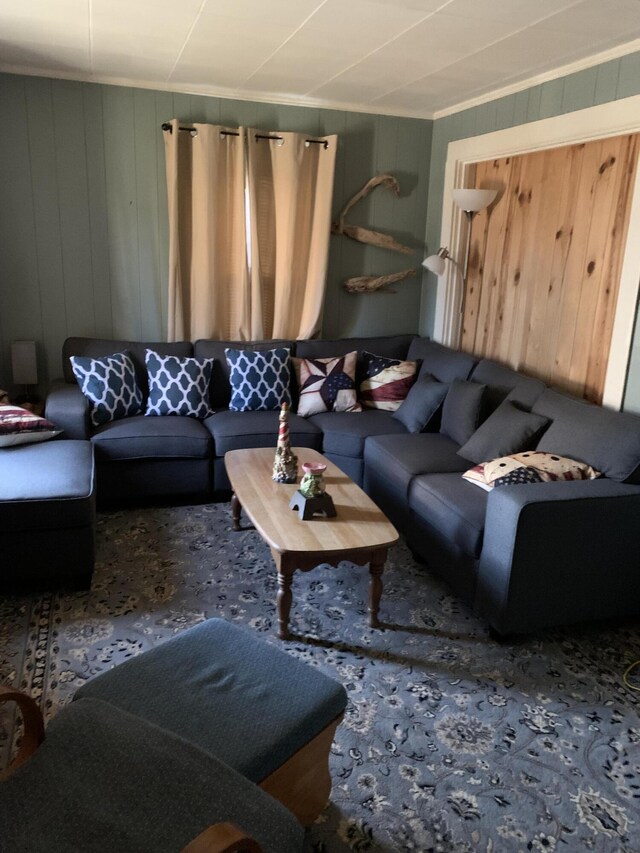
470	201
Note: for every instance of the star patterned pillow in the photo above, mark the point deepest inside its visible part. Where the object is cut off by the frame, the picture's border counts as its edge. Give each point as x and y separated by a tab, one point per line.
327	384
387	381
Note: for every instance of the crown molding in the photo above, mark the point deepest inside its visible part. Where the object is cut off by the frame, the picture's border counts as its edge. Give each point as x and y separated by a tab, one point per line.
288	99
546	77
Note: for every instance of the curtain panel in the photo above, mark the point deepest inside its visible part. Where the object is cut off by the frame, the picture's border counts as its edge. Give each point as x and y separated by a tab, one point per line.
249	226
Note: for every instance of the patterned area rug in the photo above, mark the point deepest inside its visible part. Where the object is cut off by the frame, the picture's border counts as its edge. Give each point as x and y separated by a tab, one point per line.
451	742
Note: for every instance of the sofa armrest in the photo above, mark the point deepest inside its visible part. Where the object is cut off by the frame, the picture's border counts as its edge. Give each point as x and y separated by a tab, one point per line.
68	409
223	838
557	553
33	727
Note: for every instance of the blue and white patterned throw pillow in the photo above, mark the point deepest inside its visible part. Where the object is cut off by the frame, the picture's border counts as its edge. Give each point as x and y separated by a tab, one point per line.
178	386
259	380
110	384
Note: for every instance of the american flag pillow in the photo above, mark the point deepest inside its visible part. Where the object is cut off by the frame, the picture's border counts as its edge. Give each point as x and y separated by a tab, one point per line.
20	426
387	381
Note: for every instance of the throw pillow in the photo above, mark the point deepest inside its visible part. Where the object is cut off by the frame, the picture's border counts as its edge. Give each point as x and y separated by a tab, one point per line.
259	380
110	385
462	410
178	386
387	381
422	403
327	384
508	430
534	466
20	426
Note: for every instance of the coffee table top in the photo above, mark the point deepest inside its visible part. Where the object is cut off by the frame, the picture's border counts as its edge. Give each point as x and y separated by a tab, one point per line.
359	522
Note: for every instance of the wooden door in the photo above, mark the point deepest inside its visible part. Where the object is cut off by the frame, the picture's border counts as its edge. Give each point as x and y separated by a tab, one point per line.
546	258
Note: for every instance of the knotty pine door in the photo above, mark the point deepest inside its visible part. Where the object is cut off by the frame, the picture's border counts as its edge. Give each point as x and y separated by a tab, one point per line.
546	258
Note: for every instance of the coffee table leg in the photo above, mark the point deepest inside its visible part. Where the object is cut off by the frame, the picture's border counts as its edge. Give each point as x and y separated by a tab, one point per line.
285	596
236	509
376	567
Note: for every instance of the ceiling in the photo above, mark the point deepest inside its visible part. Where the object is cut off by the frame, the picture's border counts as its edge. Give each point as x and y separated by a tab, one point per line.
399	57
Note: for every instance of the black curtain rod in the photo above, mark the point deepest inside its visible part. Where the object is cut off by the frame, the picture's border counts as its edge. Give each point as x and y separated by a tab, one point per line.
167	126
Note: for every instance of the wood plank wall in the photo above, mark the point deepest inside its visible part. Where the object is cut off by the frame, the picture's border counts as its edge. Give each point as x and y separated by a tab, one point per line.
83	220
546	258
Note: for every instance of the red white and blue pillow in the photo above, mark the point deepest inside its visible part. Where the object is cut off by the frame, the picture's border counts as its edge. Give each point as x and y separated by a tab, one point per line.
327	384
20	426
178	386
110	385
386	381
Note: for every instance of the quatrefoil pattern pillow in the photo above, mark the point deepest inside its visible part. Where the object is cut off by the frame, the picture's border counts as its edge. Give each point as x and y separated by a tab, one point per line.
110	385
259	380
178	386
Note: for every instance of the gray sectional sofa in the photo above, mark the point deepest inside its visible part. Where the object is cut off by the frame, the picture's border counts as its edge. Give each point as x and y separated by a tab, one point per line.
525	556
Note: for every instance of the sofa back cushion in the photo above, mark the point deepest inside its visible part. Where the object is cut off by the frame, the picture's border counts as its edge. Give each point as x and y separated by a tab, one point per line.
442	362
609	441
220	384
503	382
390	346
462	410
99	347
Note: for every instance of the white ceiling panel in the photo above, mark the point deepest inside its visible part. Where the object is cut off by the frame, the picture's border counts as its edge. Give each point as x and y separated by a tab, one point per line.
44	35
116	28
389	56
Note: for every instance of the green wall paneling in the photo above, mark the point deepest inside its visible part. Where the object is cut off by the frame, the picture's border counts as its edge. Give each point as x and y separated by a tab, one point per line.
83	233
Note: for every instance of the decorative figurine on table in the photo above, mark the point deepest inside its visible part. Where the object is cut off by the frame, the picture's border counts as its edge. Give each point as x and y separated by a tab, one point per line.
311	498
285	464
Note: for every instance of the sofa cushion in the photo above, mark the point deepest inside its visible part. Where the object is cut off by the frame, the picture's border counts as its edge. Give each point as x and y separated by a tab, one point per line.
144	437
508	430
110	385
46	486
462	410
20	426
98	347
237	430
452	507
422	404
178	386
391	346
609	441
345	433
220	385
326	384
504	382
104	779
385	381
396	459
242	699
442	362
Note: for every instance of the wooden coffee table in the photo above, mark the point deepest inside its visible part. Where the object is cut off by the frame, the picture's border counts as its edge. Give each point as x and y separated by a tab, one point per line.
360	532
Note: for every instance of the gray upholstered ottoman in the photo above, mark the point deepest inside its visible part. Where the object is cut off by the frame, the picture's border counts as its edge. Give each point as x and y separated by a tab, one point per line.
47	515
257	709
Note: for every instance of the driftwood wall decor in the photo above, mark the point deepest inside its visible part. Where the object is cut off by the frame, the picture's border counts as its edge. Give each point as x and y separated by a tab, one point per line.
372	283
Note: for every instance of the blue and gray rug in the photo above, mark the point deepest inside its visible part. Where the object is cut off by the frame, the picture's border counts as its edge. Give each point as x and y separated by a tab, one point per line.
451	742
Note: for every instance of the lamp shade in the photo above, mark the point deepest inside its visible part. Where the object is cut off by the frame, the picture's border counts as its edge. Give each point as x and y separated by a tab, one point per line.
24	363
435	264
473	200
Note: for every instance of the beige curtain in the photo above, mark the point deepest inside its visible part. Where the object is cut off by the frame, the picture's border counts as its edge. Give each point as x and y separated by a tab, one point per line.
208	275
228	280
290	183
